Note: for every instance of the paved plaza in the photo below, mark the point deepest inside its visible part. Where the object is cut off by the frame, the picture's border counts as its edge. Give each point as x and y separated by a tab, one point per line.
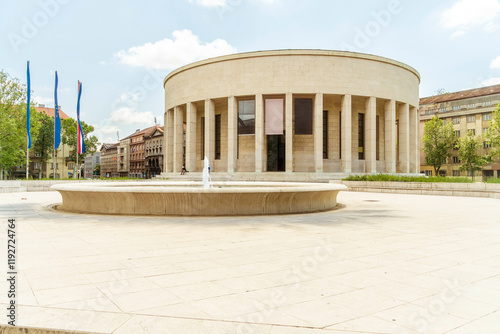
383	263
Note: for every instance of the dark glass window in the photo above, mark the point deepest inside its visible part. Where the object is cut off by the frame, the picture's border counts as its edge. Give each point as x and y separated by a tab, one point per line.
202	138
217	136
340	134
361	136
303	116
246	117
325	134
377	133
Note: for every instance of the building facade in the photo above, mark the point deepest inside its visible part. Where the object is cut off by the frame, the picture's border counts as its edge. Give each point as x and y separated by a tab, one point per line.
137	153
123	150
108	160
154	152
294	111
468	110
90	162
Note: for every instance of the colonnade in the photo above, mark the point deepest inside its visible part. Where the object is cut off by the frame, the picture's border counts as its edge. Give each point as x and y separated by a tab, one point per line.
402	157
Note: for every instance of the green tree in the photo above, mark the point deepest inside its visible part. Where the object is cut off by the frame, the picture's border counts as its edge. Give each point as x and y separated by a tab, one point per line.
97	170
69	138
468	147
438	142
44	142
493	133
13	135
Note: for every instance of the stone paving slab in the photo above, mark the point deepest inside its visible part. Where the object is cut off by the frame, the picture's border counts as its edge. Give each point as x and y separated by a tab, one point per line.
384	263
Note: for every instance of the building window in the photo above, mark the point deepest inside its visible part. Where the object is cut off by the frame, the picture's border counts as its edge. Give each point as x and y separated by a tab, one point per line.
487	104
303	116
340	135
443	109
217	136
377	134
456	173
471	119
246	117
428	172
457	133
37	154
456	120
202	138
470	106
456	107
486	144
325	134
37	165
473	131
71	165
485	129
486	117
456	160
361	136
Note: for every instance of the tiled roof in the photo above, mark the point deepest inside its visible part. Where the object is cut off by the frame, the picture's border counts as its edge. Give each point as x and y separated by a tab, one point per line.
145	131
107	146
464	94
51	112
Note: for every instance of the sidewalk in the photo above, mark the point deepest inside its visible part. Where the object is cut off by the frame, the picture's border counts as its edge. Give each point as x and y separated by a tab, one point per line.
384	263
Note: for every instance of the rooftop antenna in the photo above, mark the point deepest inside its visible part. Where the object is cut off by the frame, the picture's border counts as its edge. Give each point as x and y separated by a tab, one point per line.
118	135
156	121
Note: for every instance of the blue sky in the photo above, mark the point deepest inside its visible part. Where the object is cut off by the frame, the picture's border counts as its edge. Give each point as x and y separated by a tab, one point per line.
122	50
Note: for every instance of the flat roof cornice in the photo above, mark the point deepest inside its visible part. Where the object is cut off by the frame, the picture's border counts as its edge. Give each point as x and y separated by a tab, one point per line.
294	52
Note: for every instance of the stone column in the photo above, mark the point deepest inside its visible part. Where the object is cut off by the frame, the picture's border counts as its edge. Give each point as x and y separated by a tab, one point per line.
259	133
232	133
169	141
404	138
191	136
178	140
318	133
390	136
289	132
210	132
414	141
346	126
371	134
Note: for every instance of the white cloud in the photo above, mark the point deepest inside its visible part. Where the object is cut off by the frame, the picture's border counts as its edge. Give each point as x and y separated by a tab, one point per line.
108	129
491	82
495	64
47	101
184	48
210	3
131	116
222	3
467	14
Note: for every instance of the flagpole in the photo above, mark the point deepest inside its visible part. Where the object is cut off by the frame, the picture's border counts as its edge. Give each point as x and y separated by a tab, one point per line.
28	122
27	155
54	149
77	131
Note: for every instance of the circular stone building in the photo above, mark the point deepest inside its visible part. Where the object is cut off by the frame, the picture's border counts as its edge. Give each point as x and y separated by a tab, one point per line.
293	111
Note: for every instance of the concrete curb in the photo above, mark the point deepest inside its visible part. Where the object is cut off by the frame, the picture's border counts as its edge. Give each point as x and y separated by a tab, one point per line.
478	189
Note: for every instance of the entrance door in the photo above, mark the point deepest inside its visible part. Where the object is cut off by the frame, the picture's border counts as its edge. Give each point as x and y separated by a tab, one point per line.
276	153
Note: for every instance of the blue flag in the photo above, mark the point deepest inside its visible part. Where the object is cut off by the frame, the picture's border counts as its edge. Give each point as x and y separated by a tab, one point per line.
28	125
57	126
80	137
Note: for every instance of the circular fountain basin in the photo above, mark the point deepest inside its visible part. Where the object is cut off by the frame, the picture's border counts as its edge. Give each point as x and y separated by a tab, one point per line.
191	199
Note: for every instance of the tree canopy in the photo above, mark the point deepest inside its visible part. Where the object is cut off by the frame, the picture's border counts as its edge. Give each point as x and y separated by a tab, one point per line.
468	147
492	135
69	137
438	142
13	133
